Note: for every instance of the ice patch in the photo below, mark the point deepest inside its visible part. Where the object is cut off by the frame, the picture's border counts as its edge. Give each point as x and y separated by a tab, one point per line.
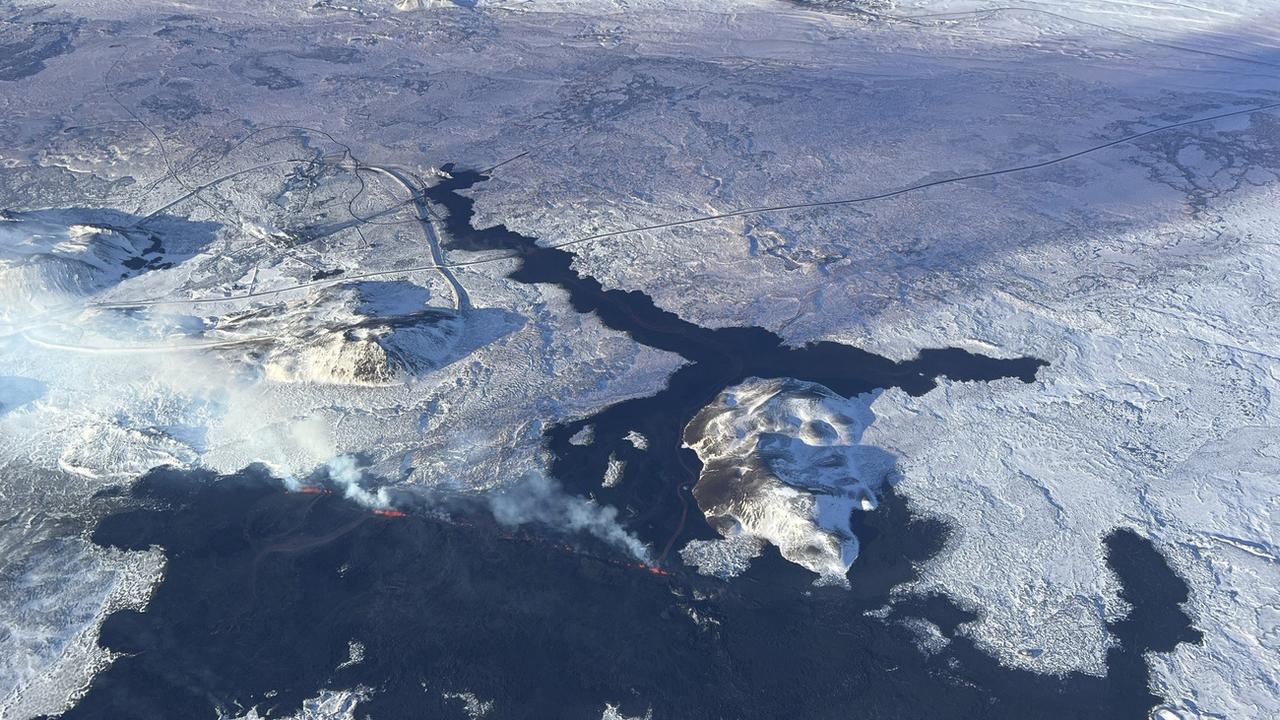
57	593
326	705
583	437
613	473
355	654
473	706
725	558
611	713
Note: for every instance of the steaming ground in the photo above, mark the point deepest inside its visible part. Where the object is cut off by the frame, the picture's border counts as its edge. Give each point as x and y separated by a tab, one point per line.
214	253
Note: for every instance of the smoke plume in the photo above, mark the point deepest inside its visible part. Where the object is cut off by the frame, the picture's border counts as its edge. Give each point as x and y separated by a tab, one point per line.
345	473
533	499
540	499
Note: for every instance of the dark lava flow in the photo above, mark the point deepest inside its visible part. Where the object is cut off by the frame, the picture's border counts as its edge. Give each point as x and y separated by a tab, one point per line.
654	484
264	589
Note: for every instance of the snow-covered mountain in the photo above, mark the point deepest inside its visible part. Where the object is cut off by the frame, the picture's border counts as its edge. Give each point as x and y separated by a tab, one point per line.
45	264
782	462
370	333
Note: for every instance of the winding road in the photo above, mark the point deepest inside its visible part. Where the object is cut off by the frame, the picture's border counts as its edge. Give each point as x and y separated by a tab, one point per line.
411	183
441	264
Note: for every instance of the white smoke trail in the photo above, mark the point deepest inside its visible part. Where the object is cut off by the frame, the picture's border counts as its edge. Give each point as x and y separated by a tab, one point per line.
345	472
540	499
534	499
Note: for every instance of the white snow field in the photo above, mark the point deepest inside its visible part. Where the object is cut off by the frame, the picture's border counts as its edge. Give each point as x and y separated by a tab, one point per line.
213	255
57	592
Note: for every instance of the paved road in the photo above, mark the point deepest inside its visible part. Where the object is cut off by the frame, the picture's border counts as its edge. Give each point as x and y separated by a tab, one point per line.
461	302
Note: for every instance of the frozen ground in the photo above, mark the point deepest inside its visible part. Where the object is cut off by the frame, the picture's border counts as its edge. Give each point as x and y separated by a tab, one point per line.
263	286
57	592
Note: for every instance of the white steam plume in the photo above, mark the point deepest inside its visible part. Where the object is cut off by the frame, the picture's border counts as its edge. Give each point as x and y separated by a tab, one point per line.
540	499
534	499
345	473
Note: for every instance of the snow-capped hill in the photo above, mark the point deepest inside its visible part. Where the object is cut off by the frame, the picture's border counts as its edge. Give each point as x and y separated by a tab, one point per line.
370	333
783	462
44	264
355	357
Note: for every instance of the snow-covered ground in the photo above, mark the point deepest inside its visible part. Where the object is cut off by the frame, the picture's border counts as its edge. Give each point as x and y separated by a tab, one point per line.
57	592
1156	413
1091	183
